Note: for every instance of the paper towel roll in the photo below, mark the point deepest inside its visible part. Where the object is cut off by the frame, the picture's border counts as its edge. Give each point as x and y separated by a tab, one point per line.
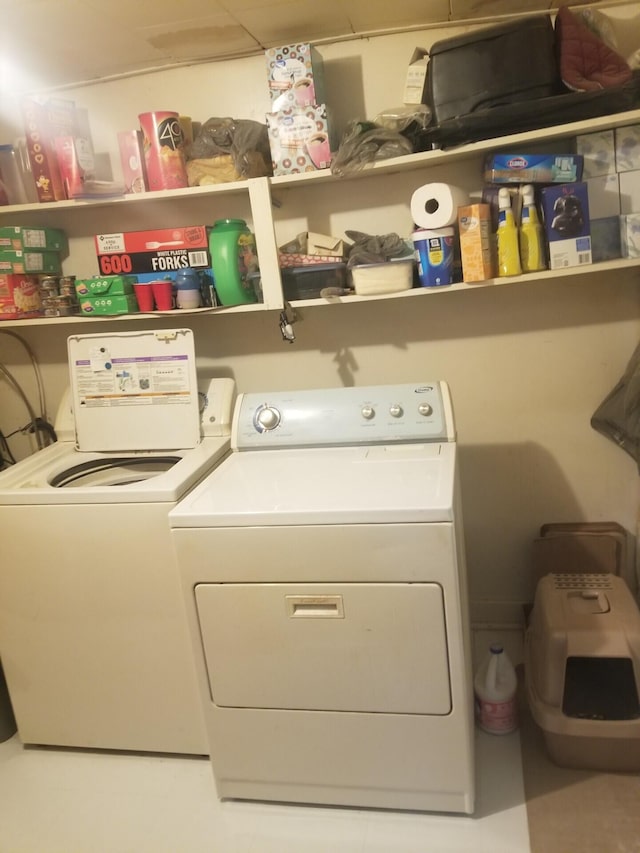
436	205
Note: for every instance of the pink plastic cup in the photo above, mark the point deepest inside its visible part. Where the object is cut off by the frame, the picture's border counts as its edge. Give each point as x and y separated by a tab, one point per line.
144	295
163	294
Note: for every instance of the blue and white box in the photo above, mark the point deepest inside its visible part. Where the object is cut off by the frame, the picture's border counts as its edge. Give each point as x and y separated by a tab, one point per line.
565	208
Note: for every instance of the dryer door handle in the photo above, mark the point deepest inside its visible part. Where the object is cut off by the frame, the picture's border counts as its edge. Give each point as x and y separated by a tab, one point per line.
315	606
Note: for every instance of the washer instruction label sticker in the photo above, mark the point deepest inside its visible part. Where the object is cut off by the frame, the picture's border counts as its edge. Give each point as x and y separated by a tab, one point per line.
138	381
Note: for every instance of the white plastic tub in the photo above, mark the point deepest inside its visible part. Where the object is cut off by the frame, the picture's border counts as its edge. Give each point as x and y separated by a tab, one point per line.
389	277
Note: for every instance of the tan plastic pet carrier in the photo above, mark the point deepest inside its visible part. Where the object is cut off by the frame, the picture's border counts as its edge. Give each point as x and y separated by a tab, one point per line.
582	669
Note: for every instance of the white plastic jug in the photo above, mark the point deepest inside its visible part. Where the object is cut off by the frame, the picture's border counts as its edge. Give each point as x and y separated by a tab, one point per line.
495	688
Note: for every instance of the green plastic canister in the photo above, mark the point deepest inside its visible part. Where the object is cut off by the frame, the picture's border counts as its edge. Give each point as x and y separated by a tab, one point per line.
233	256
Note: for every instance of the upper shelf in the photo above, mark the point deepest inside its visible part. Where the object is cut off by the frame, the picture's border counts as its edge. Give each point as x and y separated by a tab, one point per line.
409	162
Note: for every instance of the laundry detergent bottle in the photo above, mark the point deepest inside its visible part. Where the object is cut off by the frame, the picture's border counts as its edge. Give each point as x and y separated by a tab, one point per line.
495	693
508	246
233	256
532	251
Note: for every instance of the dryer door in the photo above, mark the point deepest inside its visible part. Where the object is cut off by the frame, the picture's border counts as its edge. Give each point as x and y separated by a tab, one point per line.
378	647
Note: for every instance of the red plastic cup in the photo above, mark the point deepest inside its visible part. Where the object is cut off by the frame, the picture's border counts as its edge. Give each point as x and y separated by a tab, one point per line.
144	295
163	294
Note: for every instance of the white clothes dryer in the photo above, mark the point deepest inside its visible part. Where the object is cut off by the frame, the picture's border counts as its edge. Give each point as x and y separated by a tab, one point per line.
324	578
93	638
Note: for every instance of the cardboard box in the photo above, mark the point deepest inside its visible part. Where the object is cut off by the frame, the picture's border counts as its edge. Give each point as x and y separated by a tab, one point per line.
295	76
629	191
630	235
15	237
627	140
565	209
29	262
532	168
44	120
474	224
19	297
598	151
105	305
415	87
310	243
604	196
114	285
157	252
132	160
605	238
299	139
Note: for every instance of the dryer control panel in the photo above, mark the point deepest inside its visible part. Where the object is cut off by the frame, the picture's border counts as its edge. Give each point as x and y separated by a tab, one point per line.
379	414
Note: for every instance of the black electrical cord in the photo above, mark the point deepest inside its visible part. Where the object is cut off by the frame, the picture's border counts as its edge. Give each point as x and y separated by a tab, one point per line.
6	456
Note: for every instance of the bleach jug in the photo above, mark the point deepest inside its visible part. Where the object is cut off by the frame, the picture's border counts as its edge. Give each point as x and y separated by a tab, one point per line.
495	688
233	256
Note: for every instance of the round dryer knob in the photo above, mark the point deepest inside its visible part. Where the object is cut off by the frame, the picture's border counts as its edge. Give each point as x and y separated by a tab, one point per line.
368	412
396	410
267	418
425	409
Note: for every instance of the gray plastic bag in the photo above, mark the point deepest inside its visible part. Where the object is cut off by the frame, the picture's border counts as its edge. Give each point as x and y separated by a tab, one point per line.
618	415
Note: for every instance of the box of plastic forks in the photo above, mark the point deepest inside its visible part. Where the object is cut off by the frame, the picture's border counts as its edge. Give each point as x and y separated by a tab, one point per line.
159	252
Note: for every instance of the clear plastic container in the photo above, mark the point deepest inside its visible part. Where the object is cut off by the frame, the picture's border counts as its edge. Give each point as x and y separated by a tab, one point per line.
11	187
496	686
306	282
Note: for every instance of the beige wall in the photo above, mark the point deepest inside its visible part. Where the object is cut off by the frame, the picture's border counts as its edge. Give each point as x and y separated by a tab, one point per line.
527	363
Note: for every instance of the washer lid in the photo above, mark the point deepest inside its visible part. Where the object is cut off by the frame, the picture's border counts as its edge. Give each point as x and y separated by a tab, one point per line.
134	390
338	485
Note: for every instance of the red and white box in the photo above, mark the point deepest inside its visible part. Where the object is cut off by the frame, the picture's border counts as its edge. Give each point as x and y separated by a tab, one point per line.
161	251
44	120
19	297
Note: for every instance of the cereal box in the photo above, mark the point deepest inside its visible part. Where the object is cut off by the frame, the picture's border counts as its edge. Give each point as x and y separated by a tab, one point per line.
474	222
565	210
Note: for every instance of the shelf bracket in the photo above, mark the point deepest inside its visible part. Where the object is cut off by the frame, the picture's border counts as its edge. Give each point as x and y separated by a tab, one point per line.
286	320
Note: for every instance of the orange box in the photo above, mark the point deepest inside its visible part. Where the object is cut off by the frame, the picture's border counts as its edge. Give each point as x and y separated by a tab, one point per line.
474	224
19	297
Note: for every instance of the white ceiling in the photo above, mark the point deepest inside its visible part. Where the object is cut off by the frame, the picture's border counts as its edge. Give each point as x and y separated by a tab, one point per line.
53	43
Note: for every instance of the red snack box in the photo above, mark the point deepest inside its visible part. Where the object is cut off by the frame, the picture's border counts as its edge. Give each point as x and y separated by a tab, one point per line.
19	297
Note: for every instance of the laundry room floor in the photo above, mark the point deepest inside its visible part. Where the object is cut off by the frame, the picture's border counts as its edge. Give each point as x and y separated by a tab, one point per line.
76	801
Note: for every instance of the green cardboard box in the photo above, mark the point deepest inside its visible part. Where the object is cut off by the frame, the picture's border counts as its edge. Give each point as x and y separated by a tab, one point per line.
102	305
100	285
29	262
16	237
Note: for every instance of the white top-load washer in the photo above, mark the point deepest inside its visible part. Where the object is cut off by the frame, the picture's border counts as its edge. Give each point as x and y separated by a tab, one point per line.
93	639
324	577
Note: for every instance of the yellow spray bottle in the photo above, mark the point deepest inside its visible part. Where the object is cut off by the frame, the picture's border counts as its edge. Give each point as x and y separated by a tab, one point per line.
508	248
532	248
